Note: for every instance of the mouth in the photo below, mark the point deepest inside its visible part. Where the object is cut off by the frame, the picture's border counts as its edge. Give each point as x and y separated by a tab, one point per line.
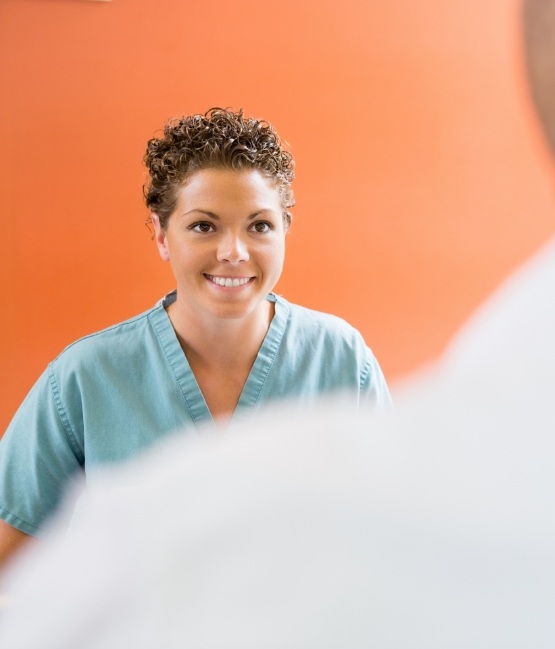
228	282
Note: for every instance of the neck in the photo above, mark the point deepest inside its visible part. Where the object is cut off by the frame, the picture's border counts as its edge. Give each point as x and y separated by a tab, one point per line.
221	342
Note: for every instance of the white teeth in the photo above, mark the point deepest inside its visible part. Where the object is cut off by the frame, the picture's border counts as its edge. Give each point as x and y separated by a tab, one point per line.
228	282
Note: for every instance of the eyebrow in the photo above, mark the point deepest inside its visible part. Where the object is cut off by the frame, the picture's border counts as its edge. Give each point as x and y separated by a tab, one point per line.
217	218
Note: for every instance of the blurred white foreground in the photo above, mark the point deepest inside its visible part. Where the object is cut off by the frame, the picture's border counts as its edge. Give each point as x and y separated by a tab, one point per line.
433	528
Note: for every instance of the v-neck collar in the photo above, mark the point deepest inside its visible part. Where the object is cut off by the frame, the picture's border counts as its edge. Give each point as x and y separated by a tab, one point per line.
185	379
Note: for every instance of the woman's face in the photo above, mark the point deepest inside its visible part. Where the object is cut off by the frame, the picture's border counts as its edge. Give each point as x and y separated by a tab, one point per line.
225	242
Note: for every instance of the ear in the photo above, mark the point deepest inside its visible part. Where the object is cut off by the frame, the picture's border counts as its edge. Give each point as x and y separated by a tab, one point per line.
287	220
160	237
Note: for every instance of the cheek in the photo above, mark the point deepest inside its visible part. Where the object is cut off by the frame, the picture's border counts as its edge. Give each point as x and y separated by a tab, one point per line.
276	255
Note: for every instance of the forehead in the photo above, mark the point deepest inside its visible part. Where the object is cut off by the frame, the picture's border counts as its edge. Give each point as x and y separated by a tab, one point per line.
225	187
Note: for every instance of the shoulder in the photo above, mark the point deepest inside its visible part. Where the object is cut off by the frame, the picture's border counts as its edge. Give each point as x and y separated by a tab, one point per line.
323	353
113	342
311	323
318	335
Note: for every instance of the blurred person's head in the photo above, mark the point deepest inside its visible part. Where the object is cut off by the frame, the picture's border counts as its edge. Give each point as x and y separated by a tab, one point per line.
539	46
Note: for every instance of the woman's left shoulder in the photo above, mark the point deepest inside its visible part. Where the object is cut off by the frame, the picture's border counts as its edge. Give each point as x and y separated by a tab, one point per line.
320	322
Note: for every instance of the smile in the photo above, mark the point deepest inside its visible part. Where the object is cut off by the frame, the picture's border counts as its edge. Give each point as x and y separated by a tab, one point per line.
229	282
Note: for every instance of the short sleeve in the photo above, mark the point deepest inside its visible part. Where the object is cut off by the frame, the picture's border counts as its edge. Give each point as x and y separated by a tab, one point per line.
373	387
39	455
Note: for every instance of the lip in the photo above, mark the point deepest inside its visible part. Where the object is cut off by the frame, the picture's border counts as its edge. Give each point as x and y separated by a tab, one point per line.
229	281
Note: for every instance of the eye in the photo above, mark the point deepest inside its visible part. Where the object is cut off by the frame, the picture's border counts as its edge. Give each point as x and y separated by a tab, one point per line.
202	227
261	227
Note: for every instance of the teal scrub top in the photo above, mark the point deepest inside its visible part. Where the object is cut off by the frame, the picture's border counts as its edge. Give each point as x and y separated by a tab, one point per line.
114	393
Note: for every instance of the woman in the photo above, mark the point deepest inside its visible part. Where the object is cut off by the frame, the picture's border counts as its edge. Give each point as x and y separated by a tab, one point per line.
216	349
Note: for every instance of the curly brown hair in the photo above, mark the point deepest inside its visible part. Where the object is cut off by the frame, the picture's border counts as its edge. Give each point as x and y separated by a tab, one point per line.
221	138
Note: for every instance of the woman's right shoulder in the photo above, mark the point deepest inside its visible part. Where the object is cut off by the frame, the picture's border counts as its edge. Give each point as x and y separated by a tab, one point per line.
115	340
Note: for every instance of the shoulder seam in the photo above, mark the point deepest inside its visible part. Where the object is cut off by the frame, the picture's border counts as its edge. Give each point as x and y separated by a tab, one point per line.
107	329
64	419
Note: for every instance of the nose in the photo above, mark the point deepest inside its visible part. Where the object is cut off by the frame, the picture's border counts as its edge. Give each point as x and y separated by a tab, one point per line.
232	248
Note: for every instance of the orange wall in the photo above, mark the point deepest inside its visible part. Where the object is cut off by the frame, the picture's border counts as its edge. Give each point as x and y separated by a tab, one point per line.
421	177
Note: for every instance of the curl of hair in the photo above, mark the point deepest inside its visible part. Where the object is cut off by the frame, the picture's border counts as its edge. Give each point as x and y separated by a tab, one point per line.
218	139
